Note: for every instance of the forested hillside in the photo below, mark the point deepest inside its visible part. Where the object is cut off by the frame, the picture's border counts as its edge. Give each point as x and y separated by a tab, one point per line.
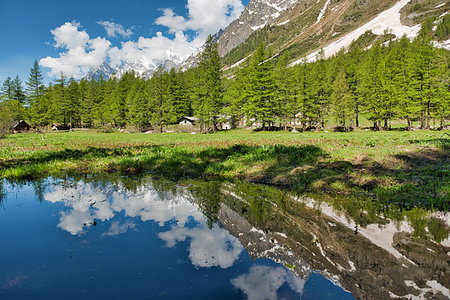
393	80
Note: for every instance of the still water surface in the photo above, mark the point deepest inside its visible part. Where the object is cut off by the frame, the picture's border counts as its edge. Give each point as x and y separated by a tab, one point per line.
146	239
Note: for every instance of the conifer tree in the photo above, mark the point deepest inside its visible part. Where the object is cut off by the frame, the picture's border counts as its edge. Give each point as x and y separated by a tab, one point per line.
178	95
8	89
209	90
18	92
35	82
73	104
341	100
285	103
162	107
261	88
118	106
138	113
60	103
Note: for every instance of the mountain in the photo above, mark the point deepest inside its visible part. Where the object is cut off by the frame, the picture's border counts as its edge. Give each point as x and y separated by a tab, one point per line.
302	28
257	15
144	69
104	71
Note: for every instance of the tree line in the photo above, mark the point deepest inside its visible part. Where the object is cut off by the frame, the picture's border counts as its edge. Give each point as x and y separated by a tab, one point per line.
397	79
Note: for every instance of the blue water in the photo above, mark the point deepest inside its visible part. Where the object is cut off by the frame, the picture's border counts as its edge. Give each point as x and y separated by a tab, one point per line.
102	241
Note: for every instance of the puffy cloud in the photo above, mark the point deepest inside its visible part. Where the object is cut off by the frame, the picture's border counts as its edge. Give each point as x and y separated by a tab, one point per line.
173	22
114	29
116	228
151	52
87	203
208	247
263	282
82	53
204	17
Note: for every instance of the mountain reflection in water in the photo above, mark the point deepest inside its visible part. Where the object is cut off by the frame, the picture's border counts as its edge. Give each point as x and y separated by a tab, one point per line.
268	244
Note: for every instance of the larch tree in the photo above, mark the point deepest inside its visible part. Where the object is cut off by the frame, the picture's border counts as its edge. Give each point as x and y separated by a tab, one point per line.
35	87
209	91
341	100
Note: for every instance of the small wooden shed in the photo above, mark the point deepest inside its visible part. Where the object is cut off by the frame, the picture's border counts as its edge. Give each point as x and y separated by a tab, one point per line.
21	126
188	121
57	127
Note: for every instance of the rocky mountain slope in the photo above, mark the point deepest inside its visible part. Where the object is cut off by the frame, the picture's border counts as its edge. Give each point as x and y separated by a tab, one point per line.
257	15
302	28
308	26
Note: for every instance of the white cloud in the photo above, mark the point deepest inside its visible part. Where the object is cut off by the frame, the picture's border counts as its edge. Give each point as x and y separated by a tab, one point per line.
203	17
86	203
116	228
208	247
263	282
114	29
82	53
151	52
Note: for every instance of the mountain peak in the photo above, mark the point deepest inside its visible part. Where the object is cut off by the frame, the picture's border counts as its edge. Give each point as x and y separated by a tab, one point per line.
257	14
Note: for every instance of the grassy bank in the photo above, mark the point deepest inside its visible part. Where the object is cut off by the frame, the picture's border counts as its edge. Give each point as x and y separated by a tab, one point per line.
402	169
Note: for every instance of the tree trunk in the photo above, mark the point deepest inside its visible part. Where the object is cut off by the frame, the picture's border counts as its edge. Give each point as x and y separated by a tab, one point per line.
375	126
357	116
428	115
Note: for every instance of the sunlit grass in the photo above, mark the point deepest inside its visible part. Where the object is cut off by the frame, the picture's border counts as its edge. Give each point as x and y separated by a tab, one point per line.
406	168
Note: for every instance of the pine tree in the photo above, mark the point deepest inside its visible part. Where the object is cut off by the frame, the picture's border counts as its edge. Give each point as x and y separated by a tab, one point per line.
73	104
161	106
138	113
353	80
341	100
18	92
118	106
261	88
60	104
178	95
35	82
209	89
283	79
8	89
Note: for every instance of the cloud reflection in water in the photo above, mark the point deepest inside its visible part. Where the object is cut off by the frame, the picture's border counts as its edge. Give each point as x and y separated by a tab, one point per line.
263	282
207	247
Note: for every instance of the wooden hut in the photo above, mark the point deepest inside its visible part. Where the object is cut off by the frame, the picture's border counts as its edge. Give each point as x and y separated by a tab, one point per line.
188	121
21	126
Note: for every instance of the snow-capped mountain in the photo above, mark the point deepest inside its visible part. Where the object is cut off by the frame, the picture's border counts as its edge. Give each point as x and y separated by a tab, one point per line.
104	71
143	69
302	28
256	15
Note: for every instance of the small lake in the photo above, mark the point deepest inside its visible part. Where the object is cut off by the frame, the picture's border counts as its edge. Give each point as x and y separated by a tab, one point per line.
139	238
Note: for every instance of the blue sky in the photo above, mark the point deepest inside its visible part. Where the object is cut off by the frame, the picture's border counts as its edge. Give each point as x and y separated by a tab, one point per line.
71	36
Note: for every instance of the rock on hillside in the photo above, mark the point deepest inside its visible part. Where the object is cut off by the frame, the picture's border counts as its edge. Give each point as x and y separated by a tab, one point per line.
256	15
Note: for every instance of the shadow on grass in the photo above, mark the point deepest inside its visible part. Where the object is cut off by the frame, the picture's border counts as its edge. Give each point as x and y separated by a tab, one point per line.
413	180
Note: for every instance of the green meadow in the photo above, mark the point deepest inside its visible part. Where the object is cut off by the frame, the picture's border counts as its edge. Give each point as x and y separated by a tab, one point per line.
401	170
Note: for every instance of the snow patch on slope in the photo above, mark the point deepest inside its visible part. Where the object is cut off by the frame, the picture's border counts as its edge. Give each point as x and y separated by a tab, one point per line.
283	23
383	236
387	20
322	12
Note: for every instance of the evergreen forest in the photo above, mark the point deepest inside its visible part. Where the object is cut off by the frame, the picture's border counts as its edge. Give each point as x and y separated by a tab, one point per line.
389	81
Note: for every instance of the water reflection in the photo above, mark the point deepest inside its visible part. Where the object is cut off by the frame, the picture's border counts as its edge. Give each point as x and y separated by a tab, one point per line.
87	204
214	222
208	248
116	228
263	282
